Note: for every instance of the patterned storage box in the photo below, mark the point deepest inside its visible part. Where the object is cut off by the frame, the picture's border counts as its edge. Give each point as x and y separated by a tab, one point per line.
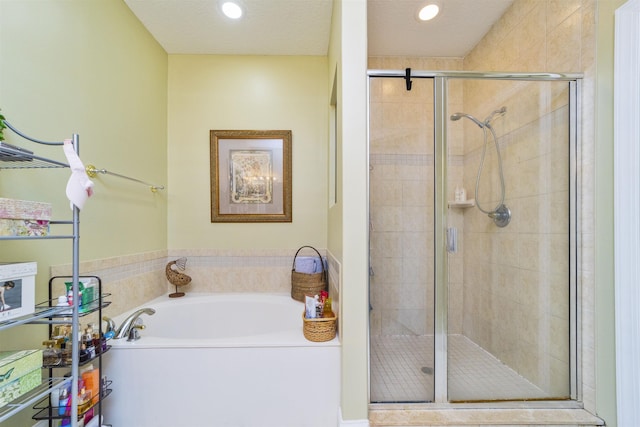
20	386
20	372
24	218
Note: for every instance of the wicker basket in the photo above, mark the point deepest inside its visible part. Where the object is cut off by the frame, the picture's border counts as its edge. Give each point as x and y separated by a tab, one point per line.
319	329
307	283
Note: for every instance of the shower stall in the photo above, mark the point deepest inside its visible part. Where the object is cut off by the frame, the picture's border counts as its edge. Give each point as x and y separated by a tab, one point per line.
473	236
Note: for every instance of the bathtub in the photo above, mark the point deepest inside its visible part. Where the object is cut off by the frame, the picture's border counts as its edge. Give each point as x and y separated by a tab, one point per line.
223	360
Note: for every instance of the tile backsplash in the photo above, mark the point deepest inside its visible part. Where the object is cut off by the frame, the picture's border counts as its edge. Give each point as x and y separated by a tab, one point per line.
135	279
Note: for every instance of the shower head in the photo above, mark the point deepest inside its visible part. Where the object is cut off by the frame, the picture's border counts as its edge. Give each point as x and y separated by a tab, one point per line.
458	116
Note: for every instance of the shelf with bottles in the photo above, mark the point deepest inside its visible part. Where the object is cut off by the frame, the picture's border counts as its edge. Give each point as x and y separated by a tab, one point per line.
91	306
47	386
91	299
62	343
462	204
50	408
60	359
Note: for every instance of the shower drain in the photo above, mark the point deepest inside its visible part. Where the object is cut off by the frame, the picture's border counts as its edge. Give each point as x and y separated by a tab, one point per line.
427	370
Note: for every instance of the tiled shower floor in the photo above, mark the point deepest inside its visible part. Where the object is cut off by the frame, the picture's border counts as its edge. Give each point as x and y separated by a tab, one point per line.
402	371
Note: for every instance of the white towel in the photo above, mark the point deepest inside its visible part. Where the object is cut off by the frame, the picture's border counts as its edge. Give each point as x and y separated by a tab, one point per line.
79	186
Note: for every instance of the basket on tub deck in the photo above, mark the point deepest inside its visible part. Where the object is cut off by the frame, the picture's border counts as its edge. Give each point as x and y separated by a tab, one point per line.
319	329
307	283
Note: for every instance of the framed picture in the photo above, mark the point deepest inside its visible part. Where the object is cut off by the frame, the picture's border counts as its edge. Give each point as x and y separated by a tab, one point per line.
250	175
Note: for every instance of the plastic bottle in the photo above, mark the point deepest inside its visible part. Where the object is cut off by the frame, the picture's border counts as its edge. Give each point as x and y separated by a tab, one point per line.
327	312
89	297
91	378
63	401
460	194
63	302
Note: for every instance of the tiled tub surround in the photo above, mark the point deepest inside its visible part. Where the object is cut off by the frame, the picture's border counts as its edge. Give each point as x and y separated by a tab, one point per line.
133	280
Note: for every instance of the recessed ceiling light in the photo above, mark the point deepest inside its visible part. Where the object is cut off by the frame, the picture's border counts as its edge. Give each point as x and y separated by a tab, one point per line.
429	11
231	10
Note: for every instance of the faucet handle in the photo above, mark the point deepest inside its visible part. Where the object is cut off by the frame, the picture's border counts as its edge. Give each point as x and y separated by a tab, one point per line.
134	335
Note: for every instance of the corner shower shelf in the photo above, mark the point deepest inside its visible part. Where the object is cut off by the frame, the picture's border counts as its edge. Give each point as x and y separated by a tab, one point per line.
469	203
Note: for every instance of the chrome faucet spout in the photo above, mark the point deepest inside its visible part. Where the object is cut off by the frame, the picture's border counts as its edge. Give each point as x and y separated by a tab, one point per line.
130	322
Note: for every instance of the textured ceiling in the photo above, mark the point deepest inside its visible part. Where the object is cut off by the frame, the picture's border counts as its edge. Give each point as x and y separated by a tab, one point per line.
302	27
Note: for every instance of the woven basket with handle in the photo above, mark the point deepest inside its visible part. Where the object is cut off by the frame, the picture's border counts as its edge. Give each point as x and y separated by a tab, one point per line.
307	283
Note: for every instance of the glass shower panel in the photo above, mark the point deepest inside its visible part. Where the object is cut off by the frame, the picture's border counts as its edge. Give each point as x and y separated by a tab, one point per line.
509	284
401	194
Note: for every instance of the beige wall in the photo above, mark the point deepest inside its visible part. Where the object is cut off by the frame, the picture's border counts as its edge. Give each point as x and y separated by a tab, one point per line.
246	93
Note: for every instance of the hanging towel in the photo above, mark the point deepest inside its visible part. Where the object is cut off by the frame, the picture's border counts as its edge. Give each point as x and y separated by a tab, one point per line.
79	186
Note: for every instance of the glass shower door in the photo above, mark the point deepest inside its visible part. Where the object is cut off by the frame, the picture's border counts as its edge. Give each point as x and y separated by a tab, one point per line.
401	206
510	284
473	238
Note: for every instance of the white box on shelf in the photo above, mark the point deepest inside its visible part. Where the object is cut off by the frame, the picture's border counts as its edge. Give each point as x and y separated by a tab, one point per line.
17	289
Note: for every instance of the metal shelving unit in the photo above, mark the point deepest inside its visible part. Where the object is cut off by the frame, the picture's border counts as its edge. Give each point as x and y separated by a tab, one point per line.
13	157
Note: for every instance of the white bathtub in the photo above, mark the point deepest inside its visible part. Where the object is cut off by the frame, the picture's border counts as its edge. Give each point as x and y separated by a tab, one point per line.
223	360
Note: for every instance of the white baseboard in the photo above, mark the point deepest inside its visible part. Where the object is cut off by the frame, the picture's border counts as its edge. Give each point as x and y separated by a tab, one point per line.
351	423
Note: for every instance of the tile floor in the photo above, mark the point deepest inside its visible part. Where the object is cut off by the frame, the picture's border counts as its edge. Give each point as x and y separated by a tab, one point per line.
402	371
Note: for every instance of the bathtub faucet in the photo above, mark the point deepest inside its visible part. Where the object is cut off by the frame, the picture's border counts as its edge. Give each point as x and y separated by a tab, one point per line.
129	326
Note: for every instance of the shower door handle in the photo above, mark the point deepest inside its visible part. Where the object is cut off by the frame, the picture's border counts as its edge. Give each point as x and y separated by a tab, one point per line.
452	240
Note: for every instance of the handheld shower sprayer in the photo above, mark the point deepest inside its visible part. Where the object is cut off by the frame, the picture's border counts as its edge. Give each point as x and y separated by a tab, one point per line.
458	116
494	114
501	214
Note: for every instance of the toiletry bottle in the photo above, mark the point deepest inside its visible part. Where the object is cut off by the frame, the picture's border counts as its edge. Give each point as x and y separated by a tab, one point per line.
50	355
327	308
55	400
63	401
91	377
89	293
70	297
65	352
87	341
84	401
63	302
97	343
84	354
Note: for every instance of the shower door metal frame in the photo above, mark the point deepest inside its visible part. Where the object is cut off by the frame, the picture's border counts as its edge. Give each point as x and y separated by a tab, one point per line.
441	277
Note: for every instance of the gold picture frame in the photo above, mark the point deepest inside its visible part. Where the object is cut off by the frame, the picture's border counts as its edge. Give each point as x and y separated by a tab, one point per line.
250	175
